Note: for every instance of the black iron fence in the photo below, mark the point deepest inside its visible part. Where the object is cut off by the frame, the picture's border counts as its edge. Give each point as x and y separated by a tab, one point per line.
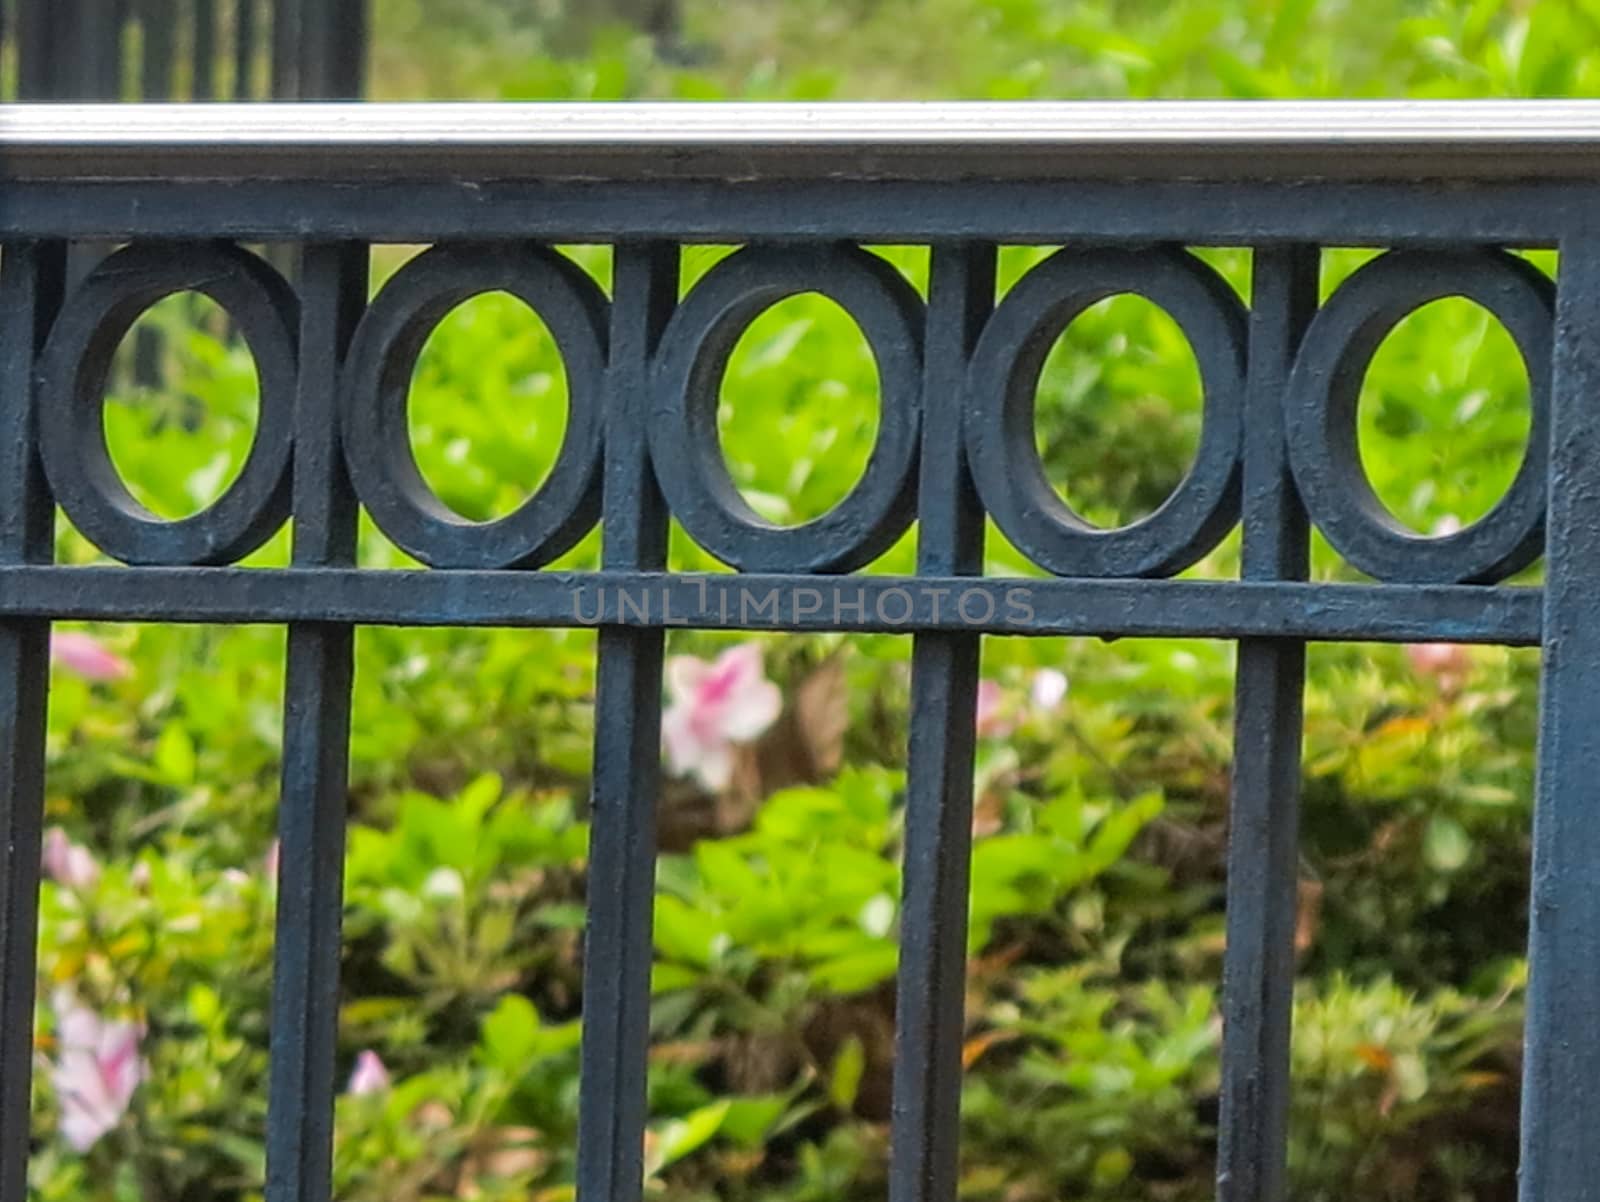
184	49
1446	192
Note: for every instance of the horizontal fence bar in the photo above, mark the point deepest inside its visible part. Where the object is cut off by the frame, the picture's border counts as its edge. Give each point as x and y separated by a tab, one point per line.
892	604
1473	140
1191	212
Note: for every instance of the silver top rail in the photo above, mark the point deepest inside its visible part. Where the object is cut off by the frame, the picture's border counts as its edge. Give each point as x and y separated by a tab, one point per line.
1382	140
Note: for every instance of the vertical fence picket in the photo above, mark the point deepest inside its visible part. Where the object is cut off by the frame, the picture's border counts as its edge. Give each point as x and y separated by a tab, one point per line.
944	682
627	755
1561	1063
1263	854
31	282
316	737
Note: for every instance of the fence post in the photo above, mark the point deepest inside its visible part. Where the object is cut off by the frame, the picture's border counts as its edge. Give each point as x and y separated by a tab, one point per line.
617	945
1561	1065
316	750
1263	853
931	990
32	278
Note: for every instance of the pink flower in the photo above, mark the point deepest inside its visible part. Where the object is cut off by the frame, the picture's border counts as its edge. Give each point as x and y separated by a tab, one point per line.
269	865
68	863
993	712
998	712
86	656
96	1070
714	706
369	1075
1445	662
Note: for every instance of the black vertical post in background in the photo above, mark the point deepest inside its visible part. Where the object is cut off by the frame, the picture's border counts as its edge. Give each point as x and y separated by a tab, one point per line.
285	66
158	20
102	34
1263	834
332	57
316	748
315	54
73	49
1561	1062
67	50
32	278
348	80
204	82
944	682
617	953
41	54
244	49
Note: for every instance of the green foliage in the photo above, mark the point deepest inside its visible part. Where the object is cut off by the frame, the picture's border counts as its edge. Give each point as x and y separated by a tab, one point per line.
1100	827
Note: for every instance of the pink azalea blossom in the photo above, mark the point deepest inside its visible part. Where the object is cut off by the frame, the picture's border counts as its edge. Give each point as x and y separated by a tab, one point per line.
993	712
86	656
96	1070
716	705
369	1075
68	863
998	711
1447	663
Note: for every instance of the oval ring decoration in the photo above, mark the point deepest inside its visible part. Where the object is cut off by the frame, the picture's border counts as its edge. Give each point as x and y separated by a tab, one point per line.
1325	390
684	443
77	361
1001	396
377	386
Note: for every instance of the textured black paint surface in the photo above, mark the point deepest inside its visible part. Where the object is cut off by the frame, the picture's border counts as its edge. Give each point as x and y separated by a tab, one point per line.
316	740
956	371
1263	856
32	278
1561	1063
622	842
931	987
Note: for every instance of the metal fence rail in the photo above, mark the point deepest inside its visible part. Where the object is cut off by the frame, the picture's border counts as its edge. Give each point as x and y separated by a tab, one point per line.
1445	190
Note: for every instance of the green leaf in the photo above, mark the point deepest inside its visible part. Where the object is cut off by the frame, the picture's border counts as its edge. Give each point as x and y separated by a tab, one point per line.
667	978
1446	845
174	755
857	971
684	933
844	1081
677	1138
510	1036
749	1120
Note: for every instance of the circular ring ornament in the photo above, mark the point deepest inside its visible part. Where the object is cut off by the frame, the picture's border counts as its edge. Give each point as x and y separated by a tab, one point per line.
377	386
77	360
684	443
1002	389
1325	390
